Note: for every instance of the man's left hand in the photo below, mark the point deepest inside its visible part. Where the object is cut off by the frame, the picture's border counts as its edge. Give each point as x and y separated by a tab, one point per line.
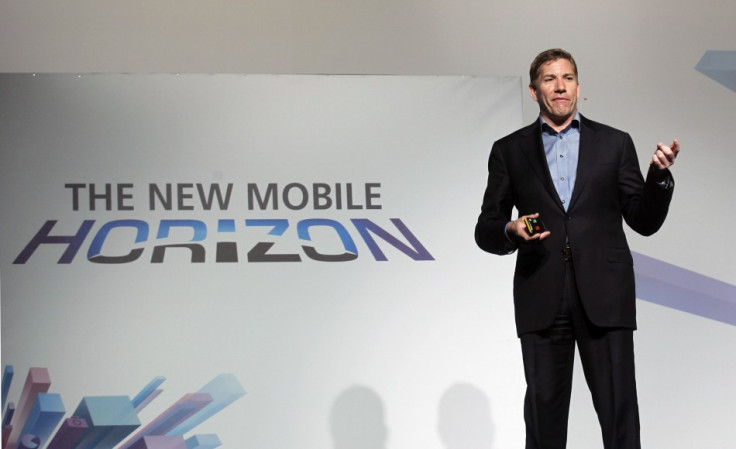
664	156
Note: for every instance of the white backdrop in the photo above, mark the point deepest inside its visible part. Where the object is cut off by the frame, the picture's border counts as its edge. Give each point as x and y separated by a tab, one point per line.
312	342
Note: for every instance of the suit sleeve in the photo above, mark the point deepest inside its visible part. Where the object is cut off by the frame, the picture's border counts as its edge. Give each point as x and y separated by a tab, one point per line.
644	206
498	202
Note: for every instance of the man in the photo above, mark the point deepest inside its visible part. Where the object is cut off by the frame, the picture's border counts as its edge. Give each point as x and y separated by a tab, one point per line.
574	281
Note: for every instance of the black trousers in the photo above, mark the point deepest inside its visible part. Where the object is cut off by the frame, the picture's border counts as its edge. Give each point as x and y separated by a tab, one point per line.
607	356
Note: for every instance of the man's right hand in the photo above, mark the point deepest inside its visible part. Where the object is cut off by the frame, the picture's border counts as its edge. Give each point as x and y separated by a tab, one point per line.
516	230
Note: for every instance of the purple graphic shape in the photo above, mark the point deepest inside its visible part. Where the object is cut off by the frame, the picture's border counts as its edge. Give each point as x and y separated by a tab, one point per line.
185	407
110	420
8	373
206	441
720	66
48	410
37	381
160	442
146	392
69	433
669	285
224	389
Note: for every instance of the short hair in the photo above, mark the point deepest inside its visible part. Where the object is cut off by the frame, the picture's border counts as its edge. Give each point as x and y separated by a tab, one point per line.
552	54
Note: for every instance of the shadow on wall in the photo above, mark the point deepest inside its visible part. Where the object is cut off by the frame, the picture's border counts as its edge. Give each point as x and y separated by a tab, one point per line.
464	418
358	419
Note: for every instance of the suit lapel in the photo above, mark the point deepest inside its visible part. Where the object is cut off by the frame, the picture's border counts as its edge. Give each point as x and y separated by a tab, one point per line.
531	146
586	157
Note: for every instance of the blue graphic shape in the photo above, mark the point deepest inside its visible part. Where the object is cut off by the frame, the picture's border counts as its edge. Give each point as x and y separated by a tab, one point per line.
8	415
669	285
224	389
7	380
147	391
46	413
206	441
720	66
110	420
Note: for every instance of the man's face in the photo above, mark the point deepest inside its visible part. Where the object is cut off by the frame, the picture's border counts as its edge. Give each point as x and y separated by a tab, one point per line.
557	91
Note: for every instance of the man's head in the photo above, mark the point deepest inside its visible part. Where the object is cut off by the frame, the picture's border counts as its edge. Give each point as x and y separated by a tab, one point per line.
552	54
553	84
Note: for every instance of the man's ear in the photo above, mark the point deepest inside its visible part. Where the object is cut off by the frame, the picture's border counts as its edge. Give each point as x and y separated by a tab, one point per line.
533	92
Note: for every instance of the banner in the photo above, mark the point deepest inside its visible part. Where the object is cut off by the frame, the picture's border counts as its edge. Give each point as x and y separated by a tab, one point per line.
255	261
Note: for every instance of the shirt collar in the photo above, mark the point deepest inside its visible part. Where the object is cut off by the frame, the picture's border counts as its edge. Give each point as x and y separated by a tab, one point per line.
549	130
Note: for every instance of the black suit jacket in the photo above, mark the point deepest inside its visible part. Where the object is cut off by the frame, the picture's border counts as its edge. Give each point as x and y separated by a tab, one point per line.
609	189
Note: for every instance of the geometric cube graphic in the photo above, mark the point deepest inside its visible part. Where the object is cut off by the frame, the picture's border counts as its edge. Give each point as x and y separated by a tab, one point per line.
48	410
662	283
110	420
720	66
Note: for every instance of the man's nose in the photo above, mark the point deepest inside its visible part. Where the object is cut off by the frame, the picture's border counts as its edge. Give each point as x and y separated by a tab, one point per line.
559	86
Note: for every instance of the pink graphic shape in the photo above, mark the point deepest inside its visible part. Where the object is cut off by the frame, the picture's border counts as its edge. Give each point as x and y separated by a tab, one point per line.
37	381
160	442
185	407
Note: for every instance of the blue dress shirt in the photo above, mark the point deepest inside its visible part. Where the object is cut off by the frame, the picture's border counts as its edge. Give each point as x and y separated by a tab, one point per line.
562	150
